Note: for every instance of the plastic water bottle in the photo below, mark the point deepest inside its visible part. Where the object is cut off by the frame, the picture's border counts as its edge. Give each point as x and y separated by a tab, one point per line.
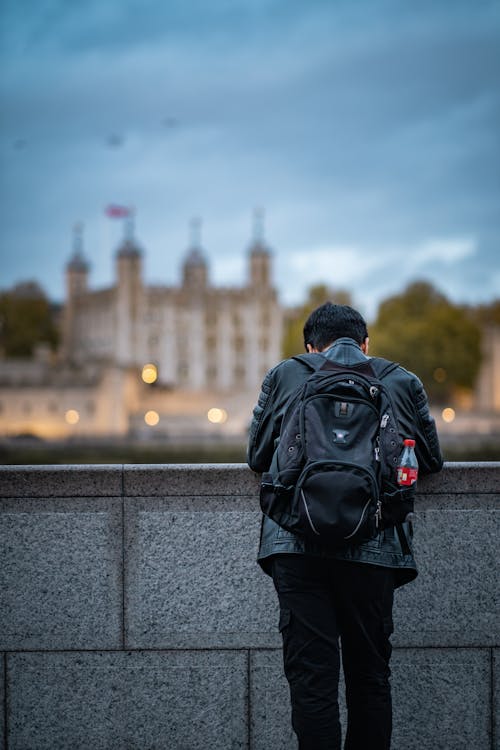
408	465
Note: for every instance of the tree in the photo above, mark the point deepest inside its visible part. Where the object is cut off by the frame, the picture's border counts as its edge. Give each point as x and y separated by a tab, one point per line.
437	340
26	319
293	340
488	315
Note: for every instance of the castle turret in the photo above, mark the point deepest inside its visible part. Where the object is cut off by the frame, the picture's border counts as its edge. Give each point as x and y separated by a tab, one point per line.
129	297
77	268
77	271
129	256
195	268
259	255
263	316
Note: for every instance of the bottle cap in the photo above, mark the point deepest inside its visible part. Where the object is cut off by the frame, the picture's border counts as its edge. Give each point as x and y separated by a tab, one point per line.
409	442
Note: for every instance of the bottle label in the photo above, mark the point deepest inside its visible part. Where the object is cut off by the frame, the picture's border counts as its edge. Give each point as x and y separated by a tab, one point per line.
407	476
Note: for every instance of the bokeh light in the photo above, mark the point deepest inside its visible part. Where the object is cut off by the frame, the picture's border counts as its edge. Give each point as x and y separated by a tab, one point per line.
440	375
151	418
217	416
448	414
72	416
149	373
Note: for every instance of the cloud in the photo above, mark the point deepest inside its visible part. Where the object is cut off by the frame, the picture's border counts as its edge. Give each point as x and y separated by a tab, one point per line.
334	265
367	130
445	251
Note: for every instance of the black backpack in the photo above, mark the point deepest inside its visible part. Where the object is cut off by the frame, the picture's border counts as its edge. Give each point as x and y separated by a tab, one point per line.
333	474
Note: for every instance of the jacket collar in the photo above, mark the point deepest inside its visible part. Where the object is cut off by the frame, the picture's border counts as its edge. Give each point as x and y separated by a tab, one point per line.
345	351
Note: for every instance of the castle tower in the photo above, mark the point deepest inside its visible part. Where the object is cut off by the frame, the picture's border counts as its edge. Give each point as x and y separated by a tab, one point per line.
195	269
129	298
262	315
194	288
259	255
77	271
77	268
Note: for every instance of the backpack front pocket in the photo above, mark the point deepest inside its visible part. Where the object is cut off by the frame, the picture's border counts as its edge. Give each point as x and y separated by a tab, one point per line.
336	502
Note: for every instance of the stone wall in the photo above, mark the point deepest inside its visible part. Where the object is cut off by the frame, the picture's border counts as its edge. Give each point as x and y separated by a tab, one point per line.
133	615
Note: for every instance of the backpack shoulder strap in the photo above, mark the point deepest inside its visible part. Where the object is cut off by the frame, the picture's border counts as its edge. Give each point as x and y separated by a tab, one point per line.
382	367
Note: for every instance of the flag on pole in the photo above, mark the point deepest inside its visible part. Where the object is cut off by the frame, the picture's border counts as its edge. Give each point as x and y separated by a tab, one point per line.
117	212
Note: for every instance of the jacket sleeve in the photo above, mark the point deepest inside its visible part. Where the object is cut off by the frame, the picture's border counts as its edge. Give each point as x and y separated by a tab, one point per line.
427	446
415	419
262	429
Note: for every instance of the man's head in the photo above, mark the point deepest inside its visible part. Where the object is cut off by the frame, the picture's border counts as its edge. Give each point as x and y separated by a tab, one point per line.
330	322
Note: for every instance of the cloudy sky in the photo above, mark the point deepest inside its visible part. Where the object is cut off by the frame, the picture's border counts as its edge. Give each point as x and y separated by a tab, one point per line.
368	130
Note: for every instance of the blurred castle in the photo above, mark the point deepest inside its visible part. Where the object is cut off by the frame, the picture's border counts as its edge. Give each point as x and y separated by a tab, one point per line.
142	359
181	362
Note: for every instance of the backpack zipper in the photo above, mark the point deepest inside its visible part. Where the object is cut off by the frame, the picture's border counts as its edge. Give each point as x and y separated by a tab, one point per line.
360	520
307	513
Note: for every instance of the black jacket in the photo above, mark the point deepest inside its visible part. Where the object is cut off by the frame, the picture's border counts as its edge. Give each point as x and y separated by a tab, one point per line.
392	547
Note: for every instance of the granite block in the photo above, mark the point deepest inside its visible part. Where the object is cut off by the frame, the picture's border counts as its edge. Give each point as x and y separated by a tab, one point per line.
454	600
478	477
456	501
270	716
191	579
3	698
495	656
61	574
441	699
270	719
189	479
61	481
123	700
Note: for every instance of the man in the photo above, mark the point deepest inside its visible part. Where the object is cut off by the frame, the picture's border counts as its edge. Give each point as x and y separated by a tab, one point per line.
330	594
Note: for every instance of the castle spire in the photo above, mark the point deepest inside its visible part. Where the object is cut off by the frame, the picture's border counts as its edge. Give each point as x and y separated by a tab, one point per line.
258	226
195	232
78	238
129	225
129	247
77	261
195	269
259	256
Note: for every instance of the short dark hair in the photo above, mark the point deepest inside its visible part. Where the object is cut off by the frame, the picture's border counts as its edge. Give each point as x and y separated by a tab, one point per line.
330	322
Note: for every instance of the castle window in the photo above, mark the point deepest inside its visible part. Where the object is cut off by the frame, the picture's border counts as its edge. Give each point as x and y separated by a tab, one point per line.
27	408
90	406
210	319
211	374
239	343
52	407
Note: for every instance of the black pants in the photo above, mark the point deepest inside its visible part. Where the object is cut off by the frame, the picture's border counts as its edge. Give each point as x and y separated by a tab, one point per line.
320	601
